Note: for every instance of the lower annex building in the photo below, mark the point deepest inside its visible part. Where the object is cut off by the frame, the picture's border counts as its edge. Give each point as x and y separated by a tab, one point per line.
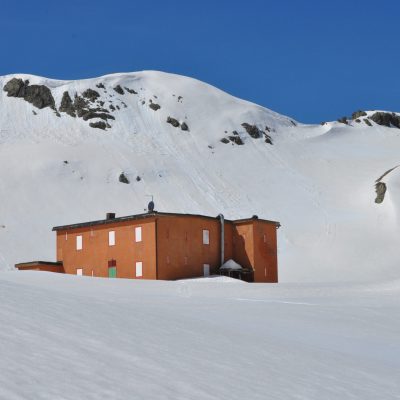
166	246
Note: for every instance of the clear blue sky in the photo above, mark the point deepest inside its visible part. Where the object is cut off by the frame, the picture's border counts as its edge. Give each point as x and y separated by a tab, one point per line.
314	60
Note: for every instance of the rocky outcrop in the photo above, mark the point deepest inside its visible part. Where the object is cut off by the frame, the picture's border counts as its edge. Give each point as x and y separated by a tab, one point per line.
131	91
252	130
267	138
123	178
15	87
154	106
119	89
380	189
38	95
90	94
236	139
67	105
358	114
184	126
91	114
386	119
99	125
174	122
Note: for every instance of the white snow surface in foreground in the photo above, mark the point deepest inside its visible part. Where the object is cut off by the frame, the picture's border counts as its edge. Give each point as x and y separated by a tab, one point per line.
69	338
318	181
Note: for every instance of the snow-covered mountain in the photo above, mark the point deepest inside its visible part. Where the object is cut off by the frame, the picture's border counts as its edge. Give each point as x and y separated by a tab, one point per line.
70	151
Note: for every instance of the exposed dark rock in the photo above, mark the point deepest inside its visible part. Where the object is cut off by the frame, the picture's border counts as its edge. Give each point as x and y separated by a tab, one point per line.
174	122
101	103
117	106
343	120
236	133
131	91
119	89
154	106
80	105
90	94
358	114
123	178
67	105
386	119
125	106
380	189
15	87
252	130
225	140
99	125
267	138
236	139
34	112
293	123
100	86
112	107
65	162
90	114
138	178
268	129
358	120
367	121
38	95
184	126
180	98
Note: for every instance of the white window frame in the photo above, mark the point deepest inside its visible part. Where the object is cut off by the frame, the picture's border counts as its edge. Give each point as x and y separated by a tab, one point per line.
206	236
139	269
138	234
79	271
79	242
111	238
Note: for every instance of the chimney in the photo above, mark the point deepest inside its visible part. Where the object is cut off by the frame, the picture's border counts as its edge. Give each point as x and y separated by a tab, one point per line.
110	216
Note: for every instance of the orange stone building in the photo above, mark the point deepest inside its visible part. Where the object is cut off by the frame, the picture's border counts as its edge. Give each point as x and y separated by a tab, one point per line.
167	246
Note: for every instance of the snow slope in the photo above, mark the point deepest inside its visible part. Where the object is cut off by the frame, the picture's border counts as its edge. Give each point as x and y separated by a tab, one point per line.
69	338
317	180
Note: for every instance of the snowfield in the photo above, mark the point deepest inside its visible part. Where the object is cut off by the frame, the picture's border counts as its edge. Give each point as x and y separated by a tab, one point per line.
69	338
317	180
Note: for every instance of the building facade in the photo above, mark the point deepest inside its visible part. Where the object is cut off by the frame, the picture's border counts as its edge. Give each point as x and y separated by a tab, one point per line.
167	246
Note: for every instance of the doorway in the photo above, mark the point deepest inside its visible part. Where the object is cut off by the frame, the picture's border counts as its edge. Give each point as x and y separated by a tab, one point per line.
112	272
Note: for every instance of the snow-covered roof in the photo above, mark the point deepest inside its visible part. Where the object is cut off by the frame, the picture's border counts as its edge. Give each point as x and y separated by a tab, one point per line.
231	264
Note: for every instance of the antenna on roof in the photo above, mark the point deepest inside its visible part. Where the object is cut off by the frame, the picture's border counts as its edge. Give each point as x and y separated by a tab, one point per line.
150	206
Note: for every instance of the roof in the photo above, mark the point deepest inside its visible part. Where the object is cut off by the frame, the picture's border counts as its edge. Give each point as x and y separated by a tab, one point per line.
31	263
152	215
